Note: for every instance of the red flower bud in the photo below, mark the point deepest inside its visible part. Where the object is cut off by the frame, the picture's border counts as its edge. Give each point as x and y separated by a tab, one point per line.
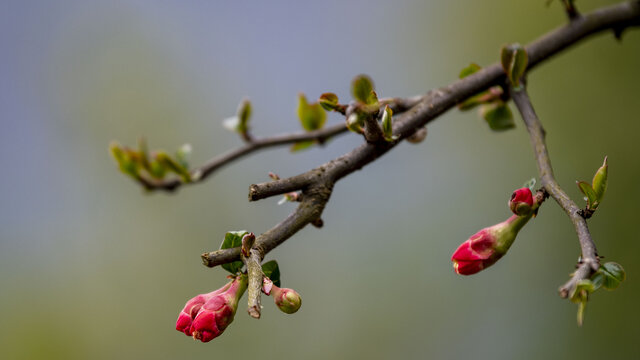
207	315
487	246
287	300
521	202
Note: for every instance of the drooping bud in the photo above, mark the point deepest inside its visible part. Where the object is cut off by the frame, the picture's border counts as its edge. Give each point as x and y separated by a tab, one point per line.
521	202
487	246
206	316
191	309
287	300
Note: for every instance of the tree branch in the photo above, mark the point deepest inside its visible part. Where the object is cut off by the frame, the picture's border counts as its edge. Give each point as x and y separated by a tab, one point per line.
589	262
317	183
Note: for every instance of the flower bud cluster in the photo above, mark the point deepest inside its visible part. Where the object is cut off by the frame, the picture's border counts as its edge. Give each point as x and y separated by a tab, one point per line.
206	316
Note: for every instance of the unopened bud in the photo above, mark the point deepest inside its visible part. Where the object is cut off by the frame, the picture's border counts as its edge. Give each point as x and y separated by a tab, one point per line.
287	300
599	182
267	285
487	246
355	123
521	202
206	316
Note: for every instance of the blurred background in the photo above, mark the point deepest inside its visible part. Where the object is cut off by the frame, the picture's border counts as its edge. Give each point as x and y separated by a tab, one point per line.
91	267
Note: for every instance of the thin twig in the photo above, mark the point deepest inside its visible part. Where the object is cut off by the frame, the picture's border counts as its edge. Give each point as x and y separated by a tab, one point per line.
589	262
201	173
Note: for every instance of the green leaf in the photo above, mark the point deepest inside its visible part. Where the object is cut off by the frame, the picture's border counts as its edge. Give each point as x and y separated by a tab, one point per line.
172	165
143	150
597	279
362	90
233	239
587	190
240	122
613	275
493	94
272	271
182	154
387	126
514	61
599	182
581	308
157	170
126	159
244	114
302	145
312	116
328	101
498	116
355	123
582	290
471	69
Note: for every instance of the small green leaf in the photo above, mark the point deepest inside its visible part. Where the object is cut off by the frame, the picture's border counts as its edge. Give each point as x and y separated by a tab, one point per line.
301	145
580	295
244	115
582	305
493	94
613	275
597	279
312	116
126	159
272	271
362	90
172	165
182	154
514	61
582	290
240	122
587	190
599	182
233	239
328	101
355	123
387	126
498	116
157	170
471	69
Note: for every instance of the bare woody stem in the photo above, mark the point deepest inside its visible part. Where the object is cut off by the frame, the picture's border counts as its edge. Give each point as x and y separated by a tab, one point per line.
316	184
255	274
589	262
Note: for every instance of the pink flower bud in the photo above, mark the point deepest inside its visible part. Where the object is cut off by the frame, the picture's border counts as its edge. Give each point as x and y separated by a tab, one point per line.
207	315
521	202
287	300
487	246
